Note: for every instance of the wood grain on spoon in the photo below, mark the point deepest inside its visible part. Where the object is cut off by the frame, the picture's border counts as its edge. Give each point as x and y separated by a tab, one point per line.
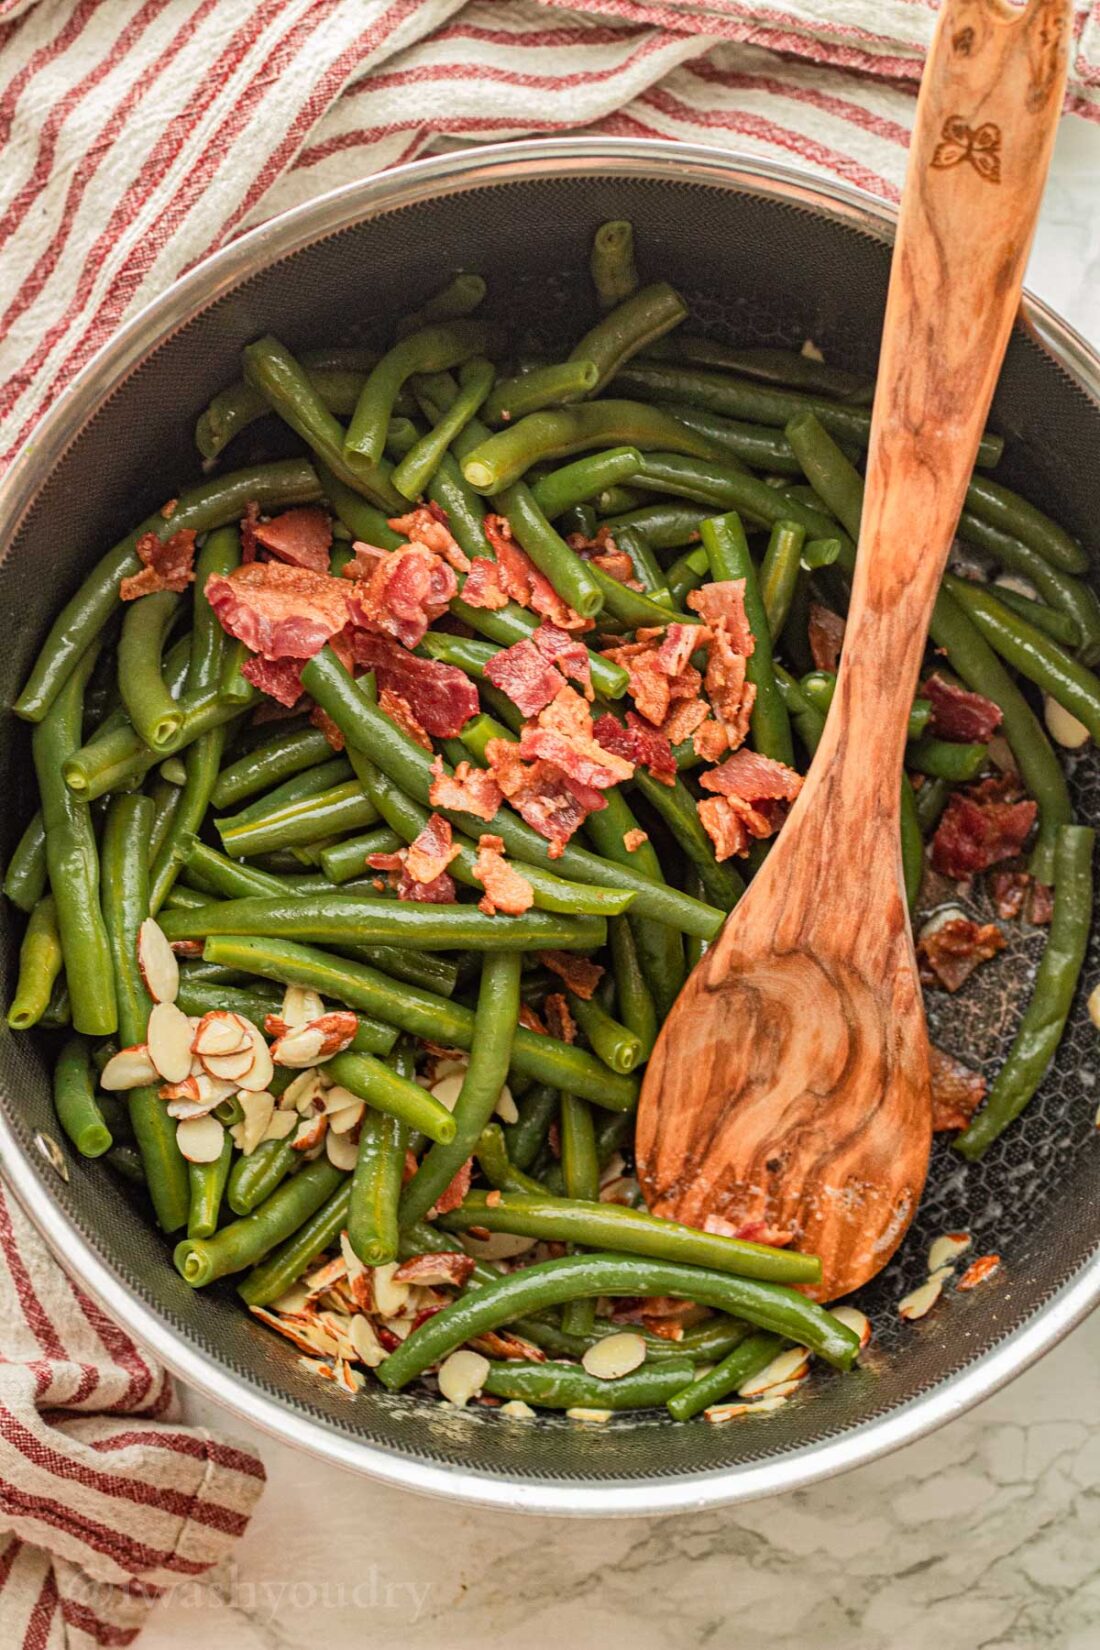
790	1083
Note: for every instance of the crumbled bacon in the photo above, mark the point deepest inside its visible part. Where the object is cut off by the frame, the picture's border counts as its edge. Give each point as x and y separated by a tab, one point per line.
279	612
1009	891
438	889
505	889
550	801
483	587
469	790
524	675
632	840
522	581
563	735
448	1266
950	953
973	835
428	527
302	537
559	648
682	720
405	592
530	1020
957	1091
722	605
732	698
618	566
826	632
452	1196
1040	905
248	525
638	743
167	564
279	678
559	1022
441	697
959	714
646	660
400	712
322	720
432	850
978	1270
754	778
752	791
580	974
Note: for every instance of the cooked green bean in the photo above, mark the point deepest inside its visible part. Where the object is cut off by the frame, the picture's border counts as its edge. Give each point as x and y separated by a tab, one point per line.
336	375
611	263
376	1189
635	1000
931	800
252	1179
348	859
495	464
1002	508
566	1386
1044	1018
632	325
283	757
779	573
727	548
912	844
243	1242
687	573
206	1187
312	819
574	580
583	479
786	368
946	759
462	294
747	1359
117	758
768	1305
616	1045
25	879
523	1139
73	861
551	386
665	526
434	348
154	714
420	463
819	686
298	787
74	1099
647	569
384	1088
493	1161
580	1164
659	945
40	963
1048	619
756	445
420	1013
495	1025
282	1268
1077	601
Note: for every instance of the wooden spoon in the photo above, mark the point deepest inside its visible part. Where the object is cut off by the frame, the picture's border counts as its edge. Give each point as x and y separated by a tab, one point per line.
789	1089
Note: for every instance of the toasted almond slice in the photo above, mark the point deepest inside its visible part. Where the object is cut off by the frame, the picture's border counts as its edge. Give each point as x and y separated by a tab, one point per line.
300	1048
323	1277
264	1070
220	1032
300	1006
184	1111
368	1348
517	1410
157	962
947	1248
342	1122
281	1124
506	1108
718	1413
389	1297
614	1356
195	1095
169	1038
497	1246
462	1376
978	1270
448	1089
200	1139
338	1098
594	1417
301	1094
855	1320
258	1110
341	1150
130	1068
785	1366
921	1300
311	1131
1063	726
230	1066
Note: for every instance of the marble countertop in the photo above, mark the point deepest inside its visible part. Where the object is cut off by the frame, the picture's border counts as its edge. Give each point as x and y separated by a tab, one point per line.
983	1537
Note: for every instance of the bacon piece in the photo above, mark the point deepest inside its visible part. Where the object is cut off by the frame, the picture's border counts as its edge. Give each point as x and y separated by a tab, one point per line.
523	674
281	678
469	790
639	744
1009	890
724	825
632	840
441	697
483	587
1040	905
550	802
449	1266
826	632
302	537
249	522
752	791
505	889
440	890
559	648
678	644
452	1196
322	720
167	564
405	592
753	778
978	1270
959	714
522	581
974	835
398	709
530	1020
957	1091
279	612
559	1022
722	603
429	855
658	677
951	952
563	735
618	566
428	526
580	974
683	719
732	699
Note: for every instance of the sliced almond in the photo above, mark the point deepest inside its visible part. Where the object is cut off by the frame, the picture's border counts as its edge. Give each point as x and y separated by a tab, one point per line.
195	1095
338	1098
856	1320
302	1094
921	1300
614	1356
506	1108
343	1121
718	1413
517	1410
462	1376
785	1366
264	1070
157	962
300	1048
231	1066
1063	727
311	1131
300	1006
258	1110
220	1032
130	1068
947	1248
281	1124
200	1139
341	1150
497	1246
368	1348
169	1039
389	1297
448	1089
594	1417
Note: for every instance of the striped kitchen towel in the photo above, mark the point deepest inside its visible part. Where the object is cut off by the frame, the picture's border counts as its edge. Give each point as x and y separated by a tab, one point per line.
105	1501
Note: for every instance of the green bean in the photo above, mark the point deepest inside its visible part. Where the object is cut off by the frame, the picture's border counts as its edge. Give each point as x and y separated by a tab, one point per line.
537	1110
756	445
660	947
298	787
615	1044
632	325
420	463
421	1013
611	263
241	1244
348	859
635	1000
783	367
779	573
343	808
583	479
727	548
166	803
40	961
549	386
912	844
434	348
407	765
283	757
342	919
362	519
73	861
576	581
252	1179
647	569
946	759
119	758
1069	596
462	294
206	1187
387	1091
741	398
282	1268
495	1024
376	1189
511	624
633	608
1030	651
336	375
819	686
687	573
665	526
199	996
1044	1018
25	880
805	716
1002	508
747	1359
125	907
580	1165
270	368
931	800
565	1386
1048	619
770	1306
211	504
75	1102
618	499
495	1164
495	464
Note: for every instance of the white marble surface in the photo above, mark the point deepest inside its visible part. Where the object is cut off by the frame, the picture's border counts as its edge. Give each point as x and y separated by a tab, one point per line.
983	1537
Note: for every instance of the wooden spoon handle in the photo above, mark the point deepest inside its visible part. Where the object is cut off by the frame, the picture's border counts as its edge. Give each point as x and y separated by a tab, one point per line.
985	126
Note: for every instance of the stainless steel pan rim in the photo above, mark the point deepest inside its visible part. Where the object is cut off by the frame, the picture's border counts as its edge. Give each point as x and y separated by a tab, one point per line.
213	278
